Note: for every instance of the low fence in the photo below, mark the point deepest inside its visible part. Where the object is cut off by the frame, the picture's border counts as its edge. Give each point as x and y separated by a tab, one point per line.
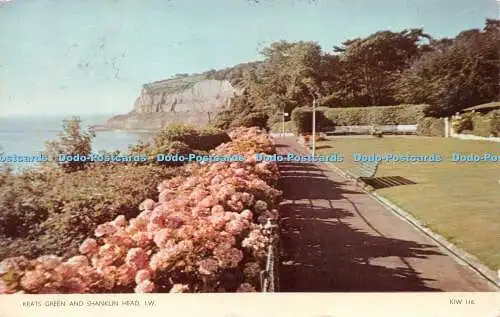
473	137
269	277
361	129
365	129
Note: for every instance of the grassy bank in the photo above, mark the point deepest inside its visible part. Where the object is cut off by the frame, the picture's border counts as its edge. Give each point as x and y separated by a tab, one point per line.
457	200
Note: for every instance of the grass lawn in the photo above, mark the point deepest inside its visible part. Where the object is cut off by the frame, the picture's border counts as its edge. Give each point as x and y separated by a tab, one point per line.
460	201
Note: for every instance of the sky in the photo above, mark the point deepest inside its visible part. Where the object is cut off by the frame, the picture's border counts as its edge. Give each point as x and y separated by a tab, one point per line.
60	57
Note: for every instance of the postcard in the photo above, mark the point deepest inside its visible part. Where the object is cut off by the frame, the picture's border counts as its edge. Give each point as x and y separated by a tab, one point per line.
249	157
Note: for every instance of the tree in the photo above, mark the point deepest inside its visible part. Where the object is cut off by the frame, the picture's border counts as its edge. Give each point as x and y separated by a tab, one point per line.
370	65
294	70
71	141
280	83
384	68
456	73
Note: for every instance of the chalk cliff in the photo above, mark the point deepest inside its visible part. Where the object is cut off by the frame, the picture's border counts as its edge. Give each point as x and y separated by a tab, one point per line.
185	99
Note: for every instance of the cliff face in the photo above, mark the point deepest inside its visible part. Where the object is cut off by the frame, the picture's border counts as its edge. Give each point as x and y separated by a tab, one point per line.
189	99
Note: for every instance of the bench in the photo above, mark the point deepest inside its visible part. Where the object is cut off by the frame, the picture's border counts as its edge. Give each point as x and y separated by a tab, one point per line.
365	170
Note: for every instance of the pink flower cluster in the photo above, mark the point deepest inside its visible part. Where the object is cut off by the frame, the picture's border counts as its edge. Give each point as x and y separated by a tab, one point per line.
201	232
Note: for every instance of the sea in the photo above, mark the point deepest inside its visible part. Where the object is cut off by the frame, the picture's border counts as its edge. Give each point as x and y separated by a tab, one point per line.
26	136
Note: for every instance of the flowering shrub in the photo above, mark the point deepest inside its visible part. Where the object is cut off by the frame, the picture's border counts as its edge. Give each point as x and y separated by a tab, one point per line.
205	233
51	212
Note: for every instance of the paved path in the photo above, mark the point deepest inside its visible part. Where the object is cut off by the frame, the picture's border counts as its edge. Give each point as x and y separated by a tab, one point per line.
338	239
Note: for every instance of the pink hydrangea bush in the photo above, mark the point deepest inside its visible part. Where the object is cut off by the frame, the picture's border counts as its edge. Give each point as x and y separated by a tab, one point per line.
204	234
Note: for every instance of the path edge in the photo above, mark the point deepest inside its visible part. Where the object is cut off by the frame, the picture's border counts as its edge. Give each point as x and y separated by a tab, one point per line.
460	255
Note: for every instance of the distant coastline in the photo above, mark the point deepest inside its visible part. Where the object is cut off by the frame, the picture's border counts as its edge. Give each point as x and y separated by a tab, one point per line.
104	128
35	130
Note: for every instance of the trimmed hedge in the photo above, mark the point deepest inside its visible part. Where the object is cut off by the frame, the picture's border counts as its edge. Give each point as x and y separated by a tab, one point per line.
302	119
464	123
495	122
431	127
197	139
479	124
388	115
258	119
179	139
486	125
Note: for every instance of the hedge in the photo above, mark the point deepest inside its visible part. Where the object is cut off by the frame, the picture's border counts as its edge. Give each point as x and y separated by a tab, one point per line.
302	119
197	139
258	119
464	123
387	115
486	125
479	124
495	122
430	127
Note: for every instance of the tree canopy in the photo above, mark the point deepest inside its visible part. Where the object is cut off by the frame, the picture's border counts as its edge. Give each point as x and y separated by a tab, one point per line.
384	68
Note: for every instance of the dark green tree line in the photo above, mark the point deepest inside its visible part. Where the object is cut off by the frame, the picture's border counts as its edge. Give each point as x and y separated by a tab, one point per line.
385	68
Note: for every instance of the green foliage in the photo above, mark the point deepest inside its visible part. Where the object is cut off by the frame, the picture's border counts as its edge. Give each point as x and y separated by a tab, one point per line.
463	123
290	76
180	139
389	115
235	75
178	83
18	203
481	125
495	123
477	123
258	119
382	69
275	118
289	127
370	65
455	73
71	141
197	139
328	118
52	212
302	119
47	210
485	125
429	126
223	120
